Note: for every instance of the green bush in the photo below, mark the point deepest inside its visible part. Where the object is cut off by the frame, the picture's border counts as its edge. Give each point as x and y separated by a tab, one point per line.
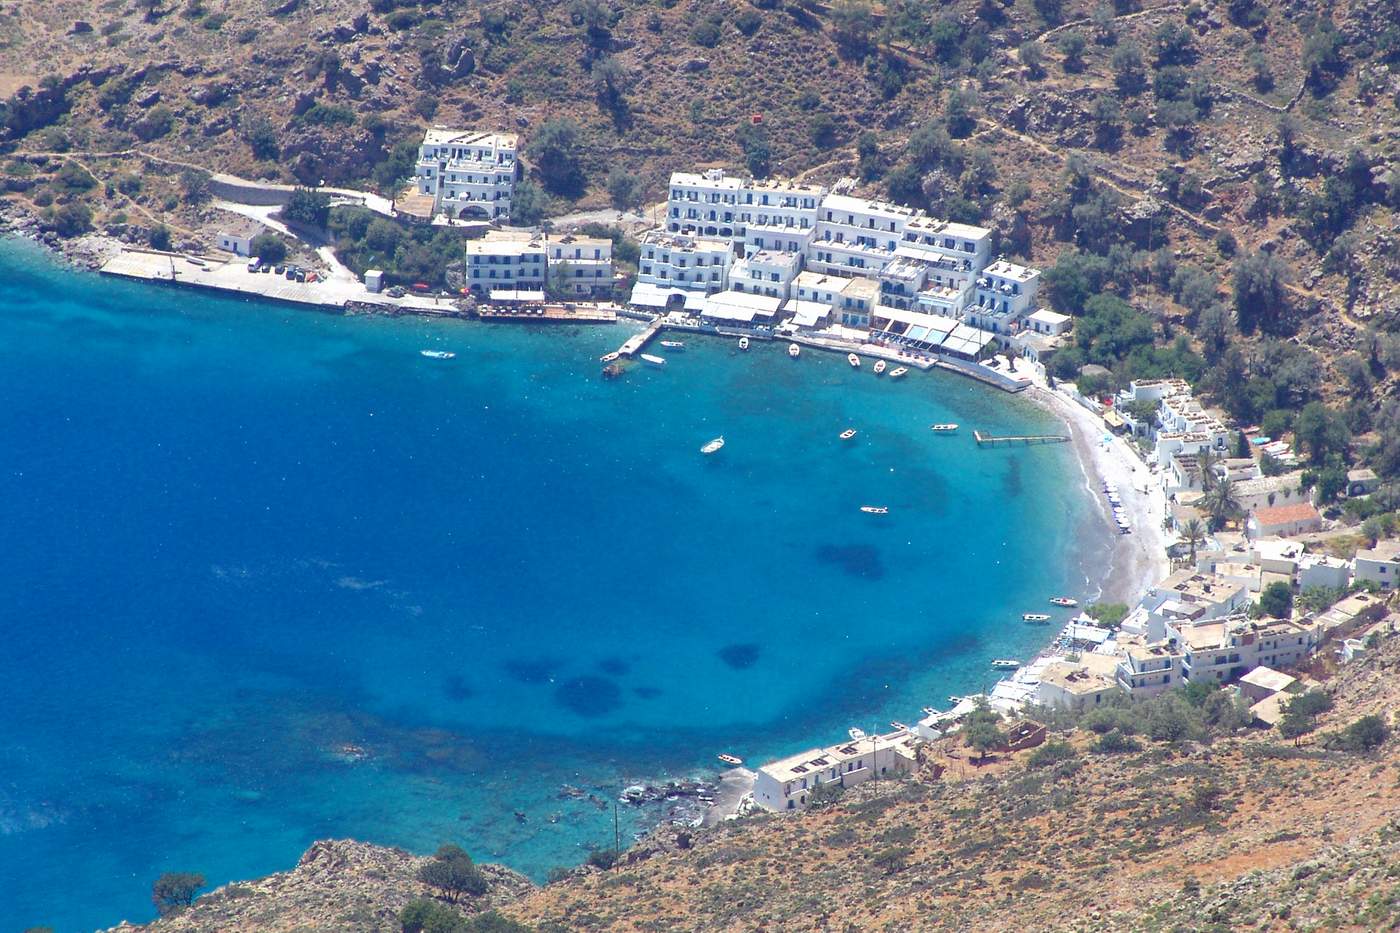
1051	753
1114	742
319	114
175	890
452	872
269	247
1363	735
602	858
72	219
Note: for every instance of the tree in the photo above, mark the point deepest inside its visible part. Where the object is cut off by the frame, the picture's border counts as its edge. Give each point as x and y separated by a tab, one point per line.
452	872
984	736
851	24
1072	46
1277	600
1032	56
871	160
383	236
1322	431
758	151
1129	71
160	238
1363	735
1259	281
311	208
610	82
554	150
1193	533
1221	503
624	188
1052	11
269	247
958	112
425	915
527	204
893	859
74	179
261	136
72	219
175	890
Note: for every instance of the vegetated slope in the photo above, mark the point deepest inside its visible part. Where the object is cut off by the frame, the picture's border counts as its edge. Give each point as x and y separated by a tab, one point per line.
1246	832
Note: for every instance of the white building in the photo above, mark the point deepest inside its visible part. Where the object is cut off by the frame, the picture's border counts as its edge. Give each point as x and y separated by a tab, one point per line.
468	173
1077	685
1268	491
1379	565
1004	295
740	310
1284	520
778	216
238	244
851	300
855	236
1148	668
677	268
1224	649
765	272
1321	571
787	783
503	260
580	265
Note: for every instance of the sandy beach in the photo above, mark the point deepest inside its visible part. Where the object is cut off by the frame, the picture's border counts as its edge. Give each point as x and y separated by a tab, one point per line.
1137	560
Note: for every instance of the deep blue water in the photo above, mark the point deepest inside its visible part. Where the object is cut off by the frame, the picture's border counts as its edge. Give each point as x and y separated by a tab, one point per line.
235	537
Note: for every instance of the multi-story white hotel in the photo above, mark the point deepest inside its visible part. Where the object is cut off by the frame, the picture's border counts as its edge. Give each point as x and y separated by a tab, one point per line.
765	272
855	236
1004	296
787	784
580	265
674	266
468	173
501	261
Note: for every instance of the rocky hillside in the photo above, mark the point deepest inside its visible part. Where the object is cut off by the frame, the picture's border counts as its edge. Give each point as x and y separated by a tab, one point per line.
339	886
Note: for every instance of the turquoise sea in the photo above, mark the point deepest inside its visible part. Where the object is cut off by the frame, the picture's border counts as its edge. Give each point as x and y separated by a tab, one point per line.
267	575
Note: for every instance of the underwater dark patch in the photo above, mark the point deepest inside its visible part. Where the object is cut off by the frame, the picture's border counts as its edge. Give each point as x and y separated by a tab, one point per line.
588	696
1011	482
647	693
855	560
456	688
739	657
614	666
537	671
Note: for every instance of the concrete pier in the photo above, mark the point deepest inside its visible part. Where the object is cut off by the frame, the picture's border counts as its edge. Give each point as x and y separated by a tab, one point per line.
637	341
1006	440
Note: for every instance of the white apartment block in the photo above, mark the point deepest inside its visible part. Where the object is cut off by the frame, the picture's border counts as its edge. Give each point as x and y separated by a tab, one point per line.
778	216
468	173
672	264
1148	668
787	783
1379	565
855	236
506	261
1005	294
1317	571
580	265
1222	650
765	272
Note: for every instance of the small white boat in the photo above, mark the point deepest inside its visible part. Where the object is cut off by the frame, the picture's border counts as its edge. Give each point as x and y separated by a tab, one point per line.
653	360
853	360
794	350
943	428
898	371
673	344
438	354
879	368
734	760
847	434
875	509
1036	617
856	734
743	343
1064	601
899	726
1006	664
609	357
713	445
954	700
930	711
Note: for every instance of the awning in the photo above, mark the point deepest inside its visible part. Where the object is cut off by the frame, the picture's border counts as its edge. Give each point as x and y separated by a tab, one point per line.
651	295
516	294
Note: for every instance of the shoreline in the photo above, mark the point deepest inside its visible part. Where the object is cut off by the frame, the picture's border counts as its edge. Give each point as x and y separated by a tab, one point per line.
1135	561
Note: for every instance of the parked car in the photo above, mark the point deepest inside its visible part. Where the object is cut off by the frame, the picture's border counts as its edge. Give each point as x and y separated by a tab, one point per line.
279	270
253	264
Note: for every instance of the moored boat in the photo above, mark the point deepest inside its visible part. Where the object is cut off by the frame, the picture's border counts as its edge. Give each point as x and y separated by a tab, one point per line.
898	371
1065	601
875	509
673	344
943	428
856	734
930	711
794	350
1035	617
734	760
1006	664
653	360
743	343
879	368
713	445
853	360
899	726
609	357
847	434
438	354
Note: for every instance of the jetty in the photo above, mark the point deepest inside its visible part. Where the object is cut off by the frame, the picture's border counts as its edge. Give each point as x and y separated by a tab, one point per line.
636	342
1008	440
566	314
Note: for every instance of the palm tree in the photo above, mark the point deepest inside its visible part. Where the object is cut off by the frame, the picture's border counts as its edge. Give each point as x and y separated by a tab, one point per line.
1194	533
1221	504
1206	461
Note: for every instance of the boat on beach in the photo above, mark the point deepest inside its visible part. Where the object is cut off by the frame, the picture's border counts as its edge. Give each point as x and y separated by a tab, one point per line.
856	734
653	360
713	445
898	371
853	360
794	350
1006	664
1035	617
438	354
743	343
673	344
734	760
1065	601
847	434
948	428
875	509
879	368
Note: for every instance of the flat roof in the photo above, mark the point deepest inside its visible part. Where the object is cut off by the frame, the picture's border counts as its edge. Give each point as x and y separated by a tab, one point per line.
445	136
1046	316
845	202
740	306
1269	679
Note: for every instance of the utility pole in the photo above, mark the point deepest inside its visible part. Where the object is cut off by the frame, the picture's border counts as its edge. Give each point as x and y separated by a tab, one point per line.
617	837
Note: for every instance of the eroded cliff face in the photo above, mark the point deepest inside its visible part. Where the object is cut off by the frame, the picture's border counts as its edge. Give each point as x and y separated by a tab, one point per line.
338	886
